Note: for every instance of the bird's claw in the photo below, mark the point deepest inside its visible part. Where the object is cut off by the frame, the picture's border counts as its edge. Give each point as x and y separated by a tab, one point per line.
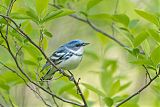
71	78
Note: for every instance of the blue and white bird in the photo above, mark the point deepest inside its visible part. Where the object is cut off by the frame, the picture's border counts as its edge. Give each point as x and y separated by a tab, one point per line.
66	57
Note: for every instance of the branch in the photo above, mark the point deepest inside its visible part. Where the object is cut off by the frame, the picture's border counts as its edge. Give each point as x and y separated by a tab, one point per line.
115	12
52	96
139	91
1	105
147	72
94	27
78	89
19	49
7	14
25	83
30	40
11	102
4	100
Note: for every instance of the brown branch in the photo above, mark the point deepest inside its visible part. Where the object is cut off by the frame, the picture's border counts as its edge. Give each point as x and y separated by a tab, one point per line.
30	40
25	83
78	88
19	49
94	27
147	73
139	91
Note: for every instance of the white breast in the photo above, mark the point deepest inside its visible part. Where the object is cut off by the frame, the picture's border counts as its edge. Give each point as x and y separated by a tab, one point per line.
72	62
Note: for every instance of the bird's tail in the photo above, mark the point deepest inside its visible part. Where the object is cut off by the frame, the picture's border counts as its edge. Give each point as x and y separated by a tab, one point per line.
49	74
46	65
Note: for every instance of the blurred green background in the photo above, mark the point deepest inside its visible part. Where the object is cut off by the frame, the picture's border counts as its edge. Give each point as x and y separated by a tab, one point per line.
109	73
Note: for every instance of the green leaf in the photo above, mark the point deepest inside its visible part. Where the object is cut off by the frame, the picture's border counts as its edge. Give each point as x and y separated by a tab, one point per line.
4	86
65	12
92	54
45	43
57	14
51	15
121	18
124	86
101	17
135	51
119	98
140	38
142	62
109	67
92	3
34	52
17	36
2	21
47	33
1	41
106	80
133	23
32	14
63	89
108	101
146	47
115	88
29	62
19	16
29	4
155	35
41	6
9	79
148	16
86	93
7	2
155	55
95	90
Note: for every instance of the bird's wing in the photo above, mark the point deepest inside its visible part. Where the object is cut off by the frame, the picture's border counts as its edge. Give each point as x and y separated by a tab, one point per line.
60	55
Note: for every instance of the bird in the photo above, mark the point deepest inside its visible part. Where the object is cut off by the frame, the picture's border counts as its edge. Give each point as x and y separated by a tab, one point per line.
66	57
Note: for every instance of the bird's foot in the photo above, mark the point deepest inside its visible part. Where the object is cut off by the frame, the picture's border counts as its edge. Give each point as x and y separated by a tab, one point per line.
71	78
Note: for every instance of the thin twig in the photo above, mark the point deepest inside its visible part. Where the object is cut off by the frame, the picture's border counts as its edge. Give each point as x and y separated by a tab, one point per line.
15	60
41	38
19	49
115	12
78	88
94	27
34	44
48	86
147	73
139	91
4	98
25	83
11	102
7	14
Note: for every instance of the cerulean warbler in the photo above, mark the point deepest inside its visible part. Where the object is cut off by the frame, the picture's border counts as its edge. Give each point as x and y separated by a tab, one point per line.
66	57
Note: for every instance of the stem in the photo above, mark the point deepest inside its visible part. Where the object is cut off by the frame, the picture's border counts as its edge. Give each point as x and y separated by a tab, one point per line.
139	91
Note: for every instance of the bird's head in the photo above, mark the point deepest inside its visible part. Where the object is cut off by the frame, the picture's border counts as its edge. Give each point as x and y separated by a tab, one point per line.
76	44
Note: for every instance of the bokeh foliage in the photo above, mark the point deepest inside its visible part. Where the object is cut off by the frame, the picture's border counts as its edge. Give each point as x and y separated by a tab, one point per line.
109	73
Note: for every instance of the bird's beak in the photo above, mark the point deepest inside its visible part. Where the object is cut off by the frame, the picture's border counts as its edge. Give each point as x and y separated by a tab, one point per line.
84	44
